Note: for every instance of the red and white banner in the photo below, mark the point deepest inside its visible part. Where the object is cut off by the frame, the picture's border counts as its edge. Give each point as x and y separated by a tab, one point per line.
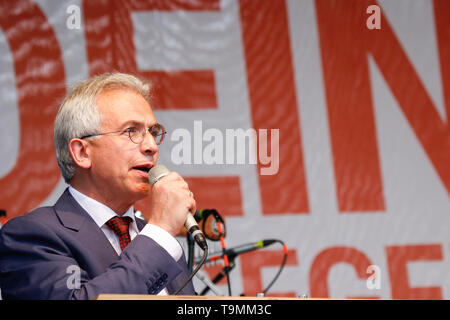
356	92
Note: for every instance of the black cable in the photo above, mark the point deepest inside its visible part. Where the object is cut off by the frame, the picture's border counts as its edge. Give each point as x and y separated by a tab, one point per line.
229	284
227	272
205	254
283	262
220	275
191	247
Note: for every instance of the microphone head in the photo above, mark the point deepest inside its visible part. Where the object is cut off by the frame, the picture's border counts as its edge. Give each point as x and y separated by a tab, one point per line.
156	173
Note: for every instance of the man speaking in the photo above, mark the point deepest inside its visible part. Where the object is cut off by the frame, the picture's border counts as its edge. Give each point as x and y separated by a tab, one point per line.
106	141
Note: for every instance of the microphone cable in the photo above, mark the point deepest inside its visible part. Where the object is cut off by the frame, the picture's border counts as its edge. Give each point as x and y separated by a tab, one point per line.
283	262
205	255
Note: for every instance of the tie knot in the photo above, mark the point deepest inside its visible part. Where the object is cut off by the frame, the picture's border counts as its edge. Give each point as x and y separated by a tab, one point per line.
120	226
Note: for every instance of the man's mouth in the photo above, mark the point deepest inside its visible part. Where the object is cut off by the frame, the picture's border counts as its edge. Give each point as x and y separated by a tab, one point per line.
144	168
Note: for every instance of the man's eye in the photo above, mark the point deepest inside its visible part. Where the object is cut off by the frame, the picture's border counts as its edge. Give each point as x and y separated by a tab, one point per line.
131	130
155	131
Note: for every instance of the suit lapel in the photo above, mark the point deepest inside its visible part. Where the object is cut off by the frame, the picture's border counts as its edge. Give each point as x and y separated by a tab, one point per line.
140	223
74	217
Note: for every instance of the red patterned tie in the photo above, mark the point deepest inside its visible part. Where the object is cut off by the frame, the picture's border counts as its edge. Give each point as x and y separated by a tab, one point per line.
120	226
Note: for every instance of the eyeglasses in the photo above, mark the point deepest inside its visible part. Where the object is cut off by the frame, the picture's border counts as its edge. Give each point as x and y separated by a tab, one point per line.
137	133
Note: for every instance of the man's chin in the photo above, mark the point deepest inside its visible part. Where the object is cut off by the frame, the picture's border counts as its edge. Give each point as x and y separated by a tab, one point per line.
142	190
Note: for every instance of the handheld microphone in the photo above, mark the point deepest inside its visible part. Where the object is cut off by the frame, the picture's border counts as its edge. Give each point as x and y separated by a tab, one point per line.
156	173
240	249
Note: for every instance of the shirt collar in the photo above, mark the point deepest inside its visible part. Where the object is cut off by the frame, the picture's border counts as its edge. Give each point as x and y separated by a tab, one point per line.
98	211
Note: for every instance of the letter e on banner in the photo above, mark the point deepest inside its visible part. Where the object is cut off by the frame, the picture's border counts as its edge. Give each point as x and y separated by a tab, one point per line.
398	257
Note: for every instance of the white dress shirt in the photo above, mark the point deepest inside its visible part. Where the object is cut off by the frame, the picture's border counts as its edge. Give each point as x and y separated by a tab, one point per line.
101	214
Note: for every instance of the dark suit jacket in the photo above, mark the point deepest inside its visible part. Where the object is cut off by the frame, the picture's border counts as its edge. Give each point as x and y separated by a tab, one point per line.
42	251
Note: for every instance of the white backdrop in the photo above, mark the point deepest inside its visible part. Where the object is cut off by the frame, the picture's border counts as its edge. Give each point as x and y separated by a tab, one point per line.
416	211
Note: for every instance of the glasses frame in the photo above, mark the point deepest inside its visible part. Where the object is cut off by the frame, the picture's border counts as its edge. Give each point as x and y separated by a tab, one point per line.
143	133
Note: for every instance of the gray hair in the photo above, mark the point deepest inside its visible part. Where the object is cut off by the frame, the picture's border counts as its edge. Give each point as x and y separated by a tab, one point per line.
78	114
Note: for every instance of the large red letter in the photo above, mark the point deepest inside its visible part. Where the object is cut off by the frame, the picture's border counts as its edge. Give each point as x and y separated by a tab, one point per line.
251	269
110	46
325	260
398	257
40	82
273	101
345	43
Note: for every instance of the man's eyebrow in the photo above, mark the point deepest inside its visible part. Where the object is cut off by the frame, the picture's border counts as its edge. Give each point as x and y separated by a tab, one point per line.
135	123
132	122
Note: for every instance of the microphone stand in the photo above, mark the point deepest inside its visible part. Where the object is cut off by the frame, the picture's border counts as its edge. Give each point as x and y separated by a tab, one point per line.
225	272
204	278
190	263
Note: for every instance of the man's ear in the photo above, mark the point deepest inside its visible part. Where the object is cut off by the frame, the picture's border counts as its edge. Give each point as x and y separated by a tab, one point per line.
80	154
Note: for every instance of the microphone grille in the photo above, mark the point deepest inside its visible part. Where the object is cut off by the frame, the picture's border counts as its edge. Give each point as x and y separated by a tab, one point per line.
156	173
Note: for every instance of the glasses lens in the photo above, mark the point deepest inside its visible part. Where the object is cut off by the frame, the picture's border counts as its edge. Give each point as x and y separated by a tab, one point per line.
136	135
157	131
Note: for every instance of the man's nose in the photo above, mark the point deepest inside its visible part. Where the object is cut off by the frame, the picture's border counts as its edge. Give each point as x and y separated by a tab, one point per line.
148	145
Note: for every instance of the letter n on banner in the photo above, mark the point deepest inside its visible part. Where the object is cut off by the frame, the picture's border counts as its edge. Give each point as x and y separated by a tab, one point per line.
110	46
345	43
